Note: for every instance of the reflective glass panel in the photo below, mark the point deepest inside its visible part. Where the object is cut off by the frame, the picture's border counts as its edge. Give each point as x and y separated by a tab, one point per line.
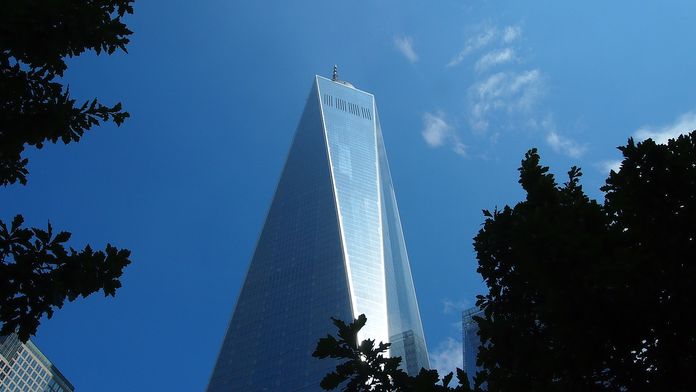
352	142
296	280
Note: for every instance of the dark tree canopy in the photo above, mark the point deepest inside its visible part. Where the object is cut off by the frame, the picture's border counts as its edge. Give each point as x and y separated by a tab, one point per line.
652	204
363	366
35	38
583	296
589	296
37	273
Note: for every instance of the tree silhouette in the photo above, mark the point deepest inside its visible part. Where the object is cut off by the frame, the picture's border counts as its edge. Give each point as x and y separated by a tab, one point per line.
366	368
583	296
589	296
652	205
37	273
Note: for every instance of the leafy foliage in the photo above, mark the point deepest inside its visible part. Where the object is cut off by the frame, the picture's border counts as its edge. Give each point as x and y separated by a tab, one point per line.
582	296
592	297
652	204
35	38
366	368
37	273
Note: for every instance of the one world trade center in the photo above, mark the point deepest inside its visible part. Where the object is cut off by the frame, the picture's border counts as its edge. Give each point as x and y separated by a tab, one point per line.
331	246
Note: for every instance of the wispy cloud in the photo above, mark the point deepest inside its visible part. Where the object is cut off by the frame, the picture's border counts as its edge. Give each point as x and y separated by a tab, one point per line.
447	357
607	166
504	95
474	43
565	145
503	92
459	148
456	307
495	57
685	123
511	33
405	46
559	142
435	129
437	132
487	36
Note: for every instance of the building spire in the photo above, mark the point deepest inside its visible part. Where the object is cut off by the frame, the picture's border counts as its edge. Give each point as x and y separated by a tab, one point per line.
335	78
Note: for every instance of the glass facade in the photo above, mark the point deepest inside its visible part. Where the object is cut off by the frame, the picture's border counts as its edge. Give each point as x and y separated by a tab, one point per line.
405	329
352	142
470	341
24	368
331	246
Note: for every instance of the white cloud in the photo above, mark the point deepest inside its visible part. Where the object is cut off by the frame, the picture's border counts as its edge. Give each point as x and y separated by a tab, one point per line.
447	357
480	40
509	84
607	166
459	148
530	88
524	79
456	307
437	132
565	145
503	93
502	97
492	87
682	125
405	46
495	57
435	129
487	36
511	33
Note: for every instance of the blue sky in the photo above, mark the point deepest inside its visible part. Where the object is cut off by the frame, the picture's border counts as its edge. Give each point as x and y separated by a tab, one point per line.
215	90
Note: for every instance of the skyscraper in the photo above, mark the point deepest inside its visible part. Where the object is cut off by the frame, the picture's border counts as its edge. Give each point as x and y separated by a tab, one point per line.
24	368
470	341
331	246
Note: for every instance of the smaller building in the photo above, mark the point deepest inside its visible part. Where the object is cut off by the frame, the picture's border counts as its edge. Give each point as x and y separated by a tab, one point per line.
24	368
470	341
